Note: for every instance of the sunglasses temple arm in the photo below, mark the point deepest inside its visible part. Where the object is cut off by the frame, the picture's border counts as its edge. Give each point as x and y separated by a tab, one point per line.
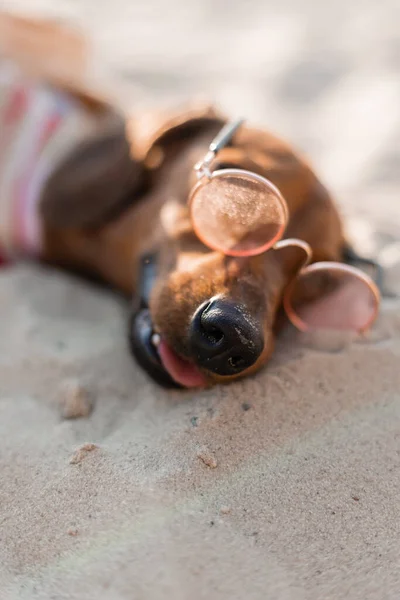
219	142
294	243
225	135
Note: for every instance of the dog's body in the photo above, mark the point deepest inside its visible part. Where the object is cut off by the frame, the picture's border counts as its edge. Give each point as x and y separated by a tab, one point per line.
121	194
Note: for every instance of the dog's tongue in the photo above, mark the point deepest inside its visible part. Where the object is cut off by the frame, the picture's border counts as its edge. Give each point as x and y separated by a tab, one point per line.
181	371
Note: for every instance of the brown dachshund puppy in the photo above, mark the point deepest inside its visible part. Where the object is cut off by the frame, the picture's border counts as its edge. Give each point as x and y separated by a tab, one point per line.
115	207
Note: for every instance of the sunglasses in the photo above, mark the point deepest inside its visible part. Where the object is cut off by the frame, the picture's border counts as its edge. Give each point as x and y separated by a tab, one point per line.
242	214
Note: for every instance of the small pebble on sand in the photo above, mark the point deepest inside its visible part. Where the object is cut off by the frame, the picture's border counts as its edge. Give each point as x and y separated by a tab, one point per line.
225	510
72	532
208	458
75	399
81	453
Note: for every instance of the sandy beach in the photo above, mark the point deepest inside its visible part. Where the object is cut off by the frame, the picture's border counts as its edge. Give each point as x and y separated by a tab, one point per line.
285	486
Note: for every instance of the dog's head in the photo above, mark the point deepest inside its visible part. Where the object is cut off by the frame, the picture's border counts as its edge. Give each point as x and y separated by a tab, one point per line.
203	317
199	316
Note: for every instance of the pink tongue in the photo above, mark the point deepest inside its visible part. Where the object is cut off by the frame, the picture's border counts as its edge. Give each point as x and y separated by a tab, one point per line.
180	370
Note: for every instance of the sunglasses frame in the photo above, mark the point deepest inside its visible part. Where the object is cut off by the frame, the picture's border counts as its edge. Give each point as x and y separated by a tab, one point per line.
329	266
205	175
222	173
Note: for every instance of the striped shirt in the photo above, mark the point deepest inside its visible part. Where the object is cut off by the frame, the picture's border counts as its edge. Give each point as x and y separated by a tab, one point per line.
38	126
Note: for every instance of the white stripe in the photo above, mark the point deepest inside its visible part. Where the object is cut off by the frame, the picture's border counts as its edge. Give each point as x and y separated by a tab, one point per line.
44	111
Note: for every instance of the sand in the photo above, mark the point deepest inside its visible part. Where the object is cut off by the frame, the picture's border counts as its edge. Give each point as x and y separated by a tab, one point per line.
285	486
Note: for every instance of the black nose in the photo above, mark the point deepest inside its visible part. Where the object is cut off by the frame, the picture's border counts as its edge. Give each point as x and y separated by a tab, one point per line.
224	338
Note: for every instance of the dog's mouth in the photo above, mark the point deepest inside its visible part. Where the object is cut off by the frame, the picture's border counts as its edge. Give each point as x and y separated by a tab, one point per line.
182	371
151	350
156	356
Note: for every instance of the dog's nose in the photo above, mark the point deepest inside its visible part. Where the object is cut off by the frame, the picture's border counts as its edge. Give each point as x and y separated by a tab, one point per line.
224	338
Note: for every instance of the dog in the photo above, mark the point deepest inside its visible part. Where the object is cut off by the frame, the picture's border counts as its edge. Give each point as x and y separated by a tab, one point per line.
111	203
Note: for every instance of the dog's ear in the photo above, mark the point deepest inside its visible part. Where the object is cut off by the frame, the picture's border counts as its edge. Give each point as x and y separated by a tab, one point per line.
95	181
151	132
105	172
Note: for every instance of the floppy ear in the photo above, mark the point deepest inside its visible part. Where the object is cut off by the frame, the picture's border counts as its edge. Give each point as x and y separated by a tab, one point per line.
104	173
153	131
96	180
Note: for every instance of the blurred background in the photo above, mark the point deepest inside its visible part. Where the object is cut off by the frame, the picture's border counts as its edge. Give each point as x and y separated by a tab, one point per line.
324	75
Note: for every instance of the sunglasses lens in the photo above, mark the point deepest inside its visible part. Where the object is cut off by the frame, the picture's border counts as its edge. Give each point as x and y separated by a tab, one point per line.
238	214
331	296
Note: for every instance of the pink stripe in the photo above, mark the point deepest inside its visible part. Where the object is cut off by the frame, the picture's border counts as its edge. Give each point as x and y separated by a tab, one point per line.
14	111
3	259
17	105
